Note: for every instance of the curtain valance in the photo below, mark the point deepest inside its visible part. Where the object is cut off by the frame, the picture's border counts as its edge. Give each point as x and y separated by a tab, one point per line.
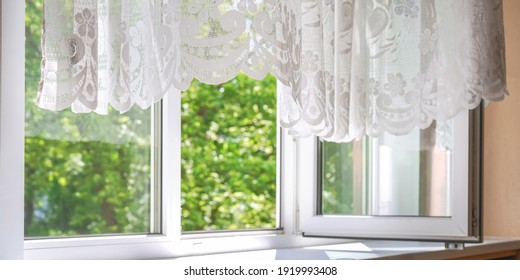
348	68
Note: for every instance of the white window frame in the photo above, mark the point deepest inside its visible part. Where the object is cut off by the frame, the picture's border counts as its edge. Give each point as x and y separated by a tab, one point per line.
170	243
457	227
11	129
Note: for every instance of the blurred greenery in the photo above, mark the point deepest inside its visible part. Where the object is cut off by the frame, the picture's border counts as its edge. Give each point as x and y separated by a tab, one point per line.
337	178
229	155
90	174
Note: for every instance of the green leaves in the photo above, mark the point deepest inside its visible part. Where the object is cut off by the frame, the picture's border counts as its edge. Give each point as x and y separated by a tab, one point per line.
229	155
83	189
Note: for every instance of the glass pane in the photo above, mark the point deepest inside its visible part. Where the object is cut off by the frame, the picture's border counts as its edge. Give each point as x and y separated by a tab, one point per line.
229	155
391	175
84	173
341	178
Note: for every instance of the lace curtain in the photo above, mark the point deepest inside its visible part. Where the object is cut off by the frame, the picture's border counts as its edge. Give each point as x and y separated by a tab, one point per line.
346	68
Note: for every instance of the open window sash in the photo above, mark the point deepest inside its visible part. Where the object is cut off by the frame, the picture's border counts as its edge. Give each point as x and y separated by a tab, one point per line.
463	224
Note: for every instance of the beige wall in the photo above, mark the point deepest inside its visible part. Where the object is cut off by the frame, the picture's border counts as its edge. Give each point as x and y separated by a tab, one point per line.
502	141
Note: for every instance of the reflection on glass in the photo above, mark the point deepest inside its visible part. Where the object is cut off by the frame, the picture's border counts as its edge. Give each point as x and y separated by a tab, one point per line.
339	191
390	175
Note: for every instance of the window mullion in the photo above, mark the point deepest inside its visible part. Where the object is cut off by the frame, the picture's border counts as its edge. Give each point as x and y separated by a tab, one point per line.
156	174
171	165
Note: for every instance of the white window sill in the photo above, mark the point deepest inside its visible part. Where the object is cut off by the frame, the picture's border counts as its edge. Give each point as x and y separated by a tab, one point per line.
494	247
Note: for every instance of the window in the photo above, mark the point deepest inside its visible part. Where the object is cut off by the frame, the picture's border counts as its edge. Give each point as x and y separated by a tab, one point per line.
365	204
85	174
99	175
406	175
90	177
421	186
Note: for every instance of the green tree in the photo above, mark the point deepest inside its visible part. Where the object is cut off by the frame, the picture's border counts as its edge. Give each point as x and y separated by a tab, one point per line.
229	155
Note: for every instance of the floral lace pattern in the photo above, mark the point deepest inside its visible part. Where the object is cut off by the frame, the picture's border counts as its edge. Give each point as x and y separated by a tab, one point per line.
348	68
376	66
118	52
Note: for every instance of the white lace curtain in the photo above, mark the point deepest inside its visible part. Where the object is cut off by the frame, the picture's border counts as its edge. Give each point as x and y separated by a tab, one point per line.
348	68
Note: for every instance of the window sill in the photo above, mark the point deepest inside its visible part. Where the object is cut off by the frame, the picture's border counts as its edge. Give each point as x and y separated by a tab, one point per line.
492	248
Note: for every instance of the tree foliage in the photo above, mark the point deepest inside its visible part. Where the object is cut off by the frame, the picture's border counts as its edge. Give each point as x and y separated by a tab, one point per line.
229	155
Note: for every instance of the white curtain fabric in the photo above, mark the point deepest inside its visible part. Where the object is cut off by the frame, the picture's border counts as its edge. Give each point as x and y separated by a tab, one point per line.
347	68
126	52
376	66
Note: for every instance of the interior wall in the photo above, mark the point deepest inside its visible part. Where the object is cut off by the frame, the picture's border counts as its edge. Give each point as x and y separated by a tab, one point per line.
502	141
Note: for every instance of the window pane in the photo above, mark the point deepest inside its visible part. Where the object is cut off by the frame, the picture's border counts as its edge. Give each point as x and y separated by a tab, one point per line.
391	175
340	192
84	173
229	155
